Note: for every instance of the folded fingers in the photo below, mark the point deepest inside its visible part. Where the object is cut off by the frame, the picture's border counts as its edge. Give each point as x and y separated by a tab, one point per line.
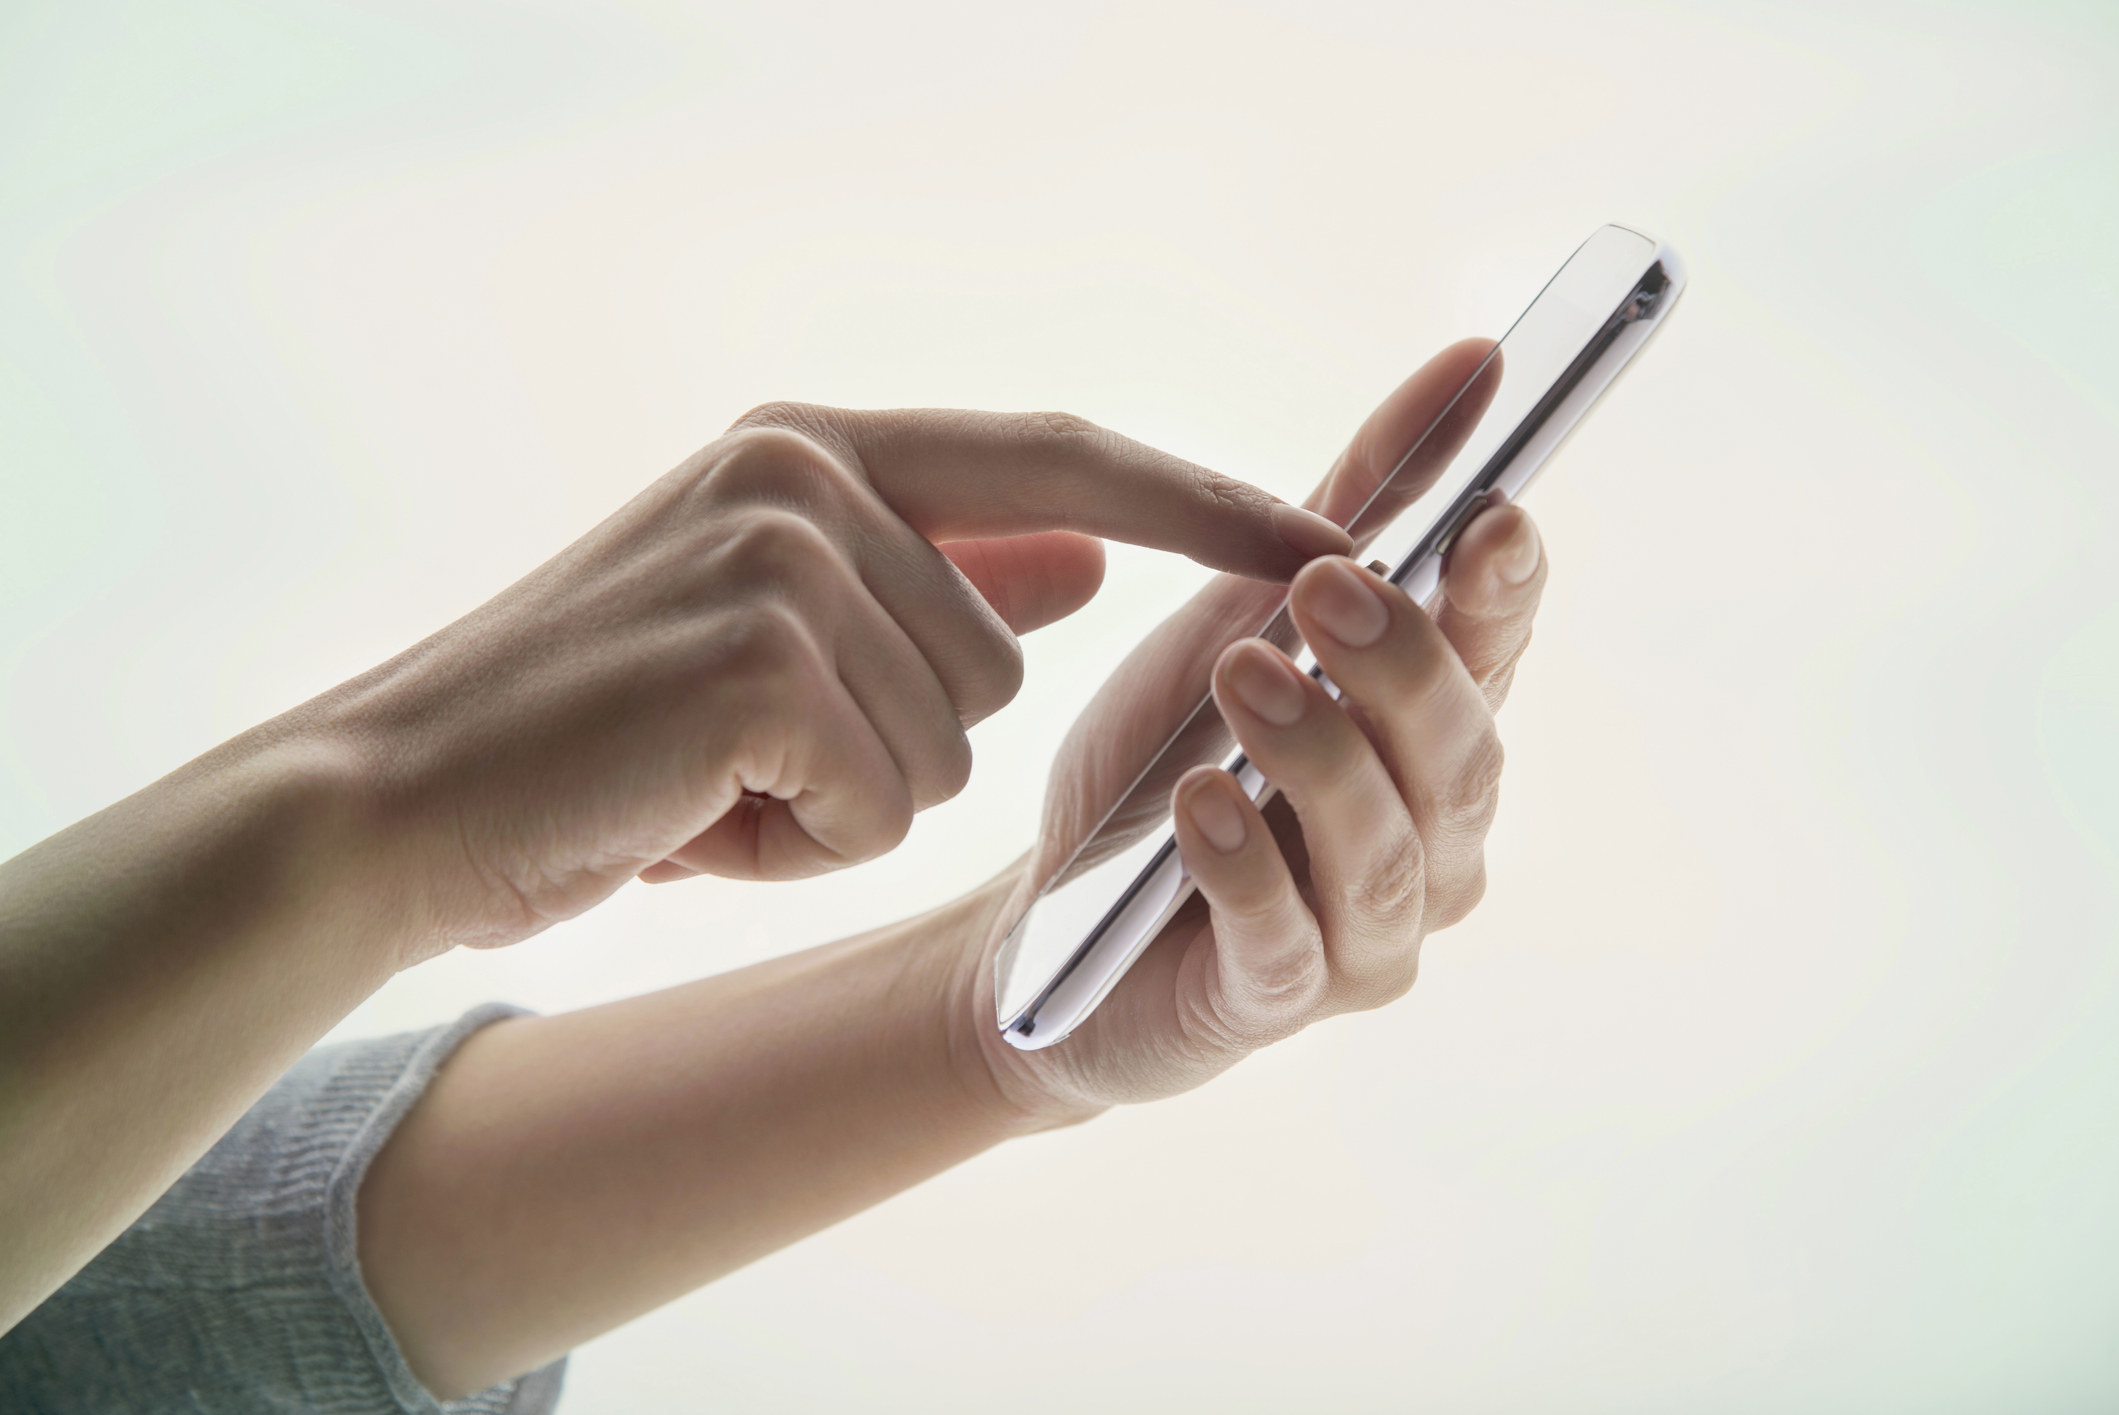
1429	721
1366	860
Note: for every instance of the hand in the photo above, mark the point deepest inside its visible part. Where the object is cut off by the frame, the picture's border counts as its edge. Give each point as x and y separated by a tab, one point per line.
702	1112
1317	905
763	665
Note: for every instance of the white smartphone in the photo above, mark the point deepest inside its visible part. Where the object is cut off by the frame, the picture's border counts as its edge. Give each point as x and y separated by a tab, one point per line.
1106	904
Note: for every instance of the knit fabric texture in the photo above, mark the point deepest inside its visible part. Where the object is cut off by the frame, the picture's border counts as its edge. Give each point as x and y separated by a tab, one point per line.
240	1290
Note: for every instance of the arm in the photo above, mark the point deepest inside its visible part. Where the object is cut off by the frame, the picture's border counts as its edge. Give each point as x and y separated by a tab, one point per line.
762	666
566	1174
160	964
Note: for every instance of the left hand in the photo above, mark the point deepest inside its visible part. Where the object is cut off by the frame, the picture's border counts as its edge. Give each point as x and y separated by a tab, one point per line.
1318	904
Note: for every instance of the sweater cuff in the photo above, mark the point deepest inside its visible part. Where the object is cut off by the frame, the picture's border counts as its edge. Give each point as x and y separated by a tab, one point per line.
382	1086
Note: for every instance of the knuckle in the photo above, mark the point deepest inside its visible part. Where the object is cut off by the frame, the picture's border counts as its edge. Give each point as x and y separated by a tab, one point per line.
1062	432
780	413
1248	1013
893	821
947	772
1473	891
765	654
1390	907
1427	685
888	822
994	676
1477	788
1286	988
1389	983
1468	826
1498	685
1464	894
778	552
1495	660
1396	890
775	464
874	821
1222	495
1240	1025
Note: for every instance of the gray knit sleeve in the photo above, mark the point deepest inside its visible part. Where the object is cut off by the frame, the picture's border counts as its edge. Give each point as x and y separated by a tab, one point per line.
240	1290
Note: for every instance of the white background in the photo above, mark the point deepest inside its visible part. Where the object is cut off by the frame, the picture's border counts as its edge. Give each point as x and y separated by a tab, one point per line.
1778	1070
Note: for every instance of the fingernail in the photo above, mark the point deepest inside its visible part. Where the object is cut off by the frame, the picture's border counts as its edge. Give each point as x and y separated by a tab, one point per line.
1268	685
1309	534
1519	562
1342	600
1215	816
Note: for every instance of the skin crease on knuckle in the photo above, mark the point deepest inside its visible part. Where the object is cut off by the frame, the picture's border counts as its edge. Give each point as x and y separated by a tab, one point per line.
1268	1000
1063	432
1225	496
1457	822
1226	1018
1496	683
1061	442
1390	894
1376	952
1477	785
1459	813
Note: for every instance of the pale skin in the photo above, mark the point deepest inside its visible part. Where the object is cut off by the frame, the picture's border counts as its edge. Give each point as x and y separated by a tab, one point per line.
762	667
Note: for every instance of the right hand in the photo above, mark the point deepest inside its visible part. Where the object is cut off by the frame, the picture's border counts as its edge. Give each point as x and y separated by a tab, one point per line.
764	664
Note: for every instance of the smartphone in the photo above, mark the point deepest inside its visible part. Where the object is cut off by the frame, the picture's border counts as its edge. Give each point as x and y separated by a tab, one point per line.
1103	907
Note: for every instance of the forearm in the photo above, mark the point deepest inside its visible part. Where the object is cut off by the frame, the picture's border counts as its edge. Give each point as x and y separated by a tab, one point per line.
160	964
566	1174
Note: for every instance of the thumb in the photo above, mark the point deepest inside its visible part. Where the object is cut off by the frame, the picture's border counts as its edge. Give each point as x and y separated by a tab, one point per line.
1032	580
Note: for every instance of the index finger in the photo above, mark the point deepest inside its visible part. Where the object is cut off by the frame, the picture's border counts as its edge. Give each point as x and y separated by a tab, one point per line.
958	475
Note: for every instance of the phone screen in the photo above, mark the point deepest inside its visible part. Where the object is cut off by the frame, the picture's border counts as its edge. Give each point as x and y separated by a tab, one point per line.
1511	412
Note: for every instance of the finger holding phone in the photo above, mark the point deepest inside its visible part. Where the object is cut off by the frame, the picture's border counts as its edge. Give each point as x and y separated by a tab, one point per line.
1386	703
1318	903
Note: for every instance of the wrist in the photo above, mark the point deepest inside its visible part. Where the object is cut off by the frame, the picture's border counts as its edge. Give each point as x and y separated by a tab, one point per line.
161	962
391	780
299	820
331	851
988	1069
